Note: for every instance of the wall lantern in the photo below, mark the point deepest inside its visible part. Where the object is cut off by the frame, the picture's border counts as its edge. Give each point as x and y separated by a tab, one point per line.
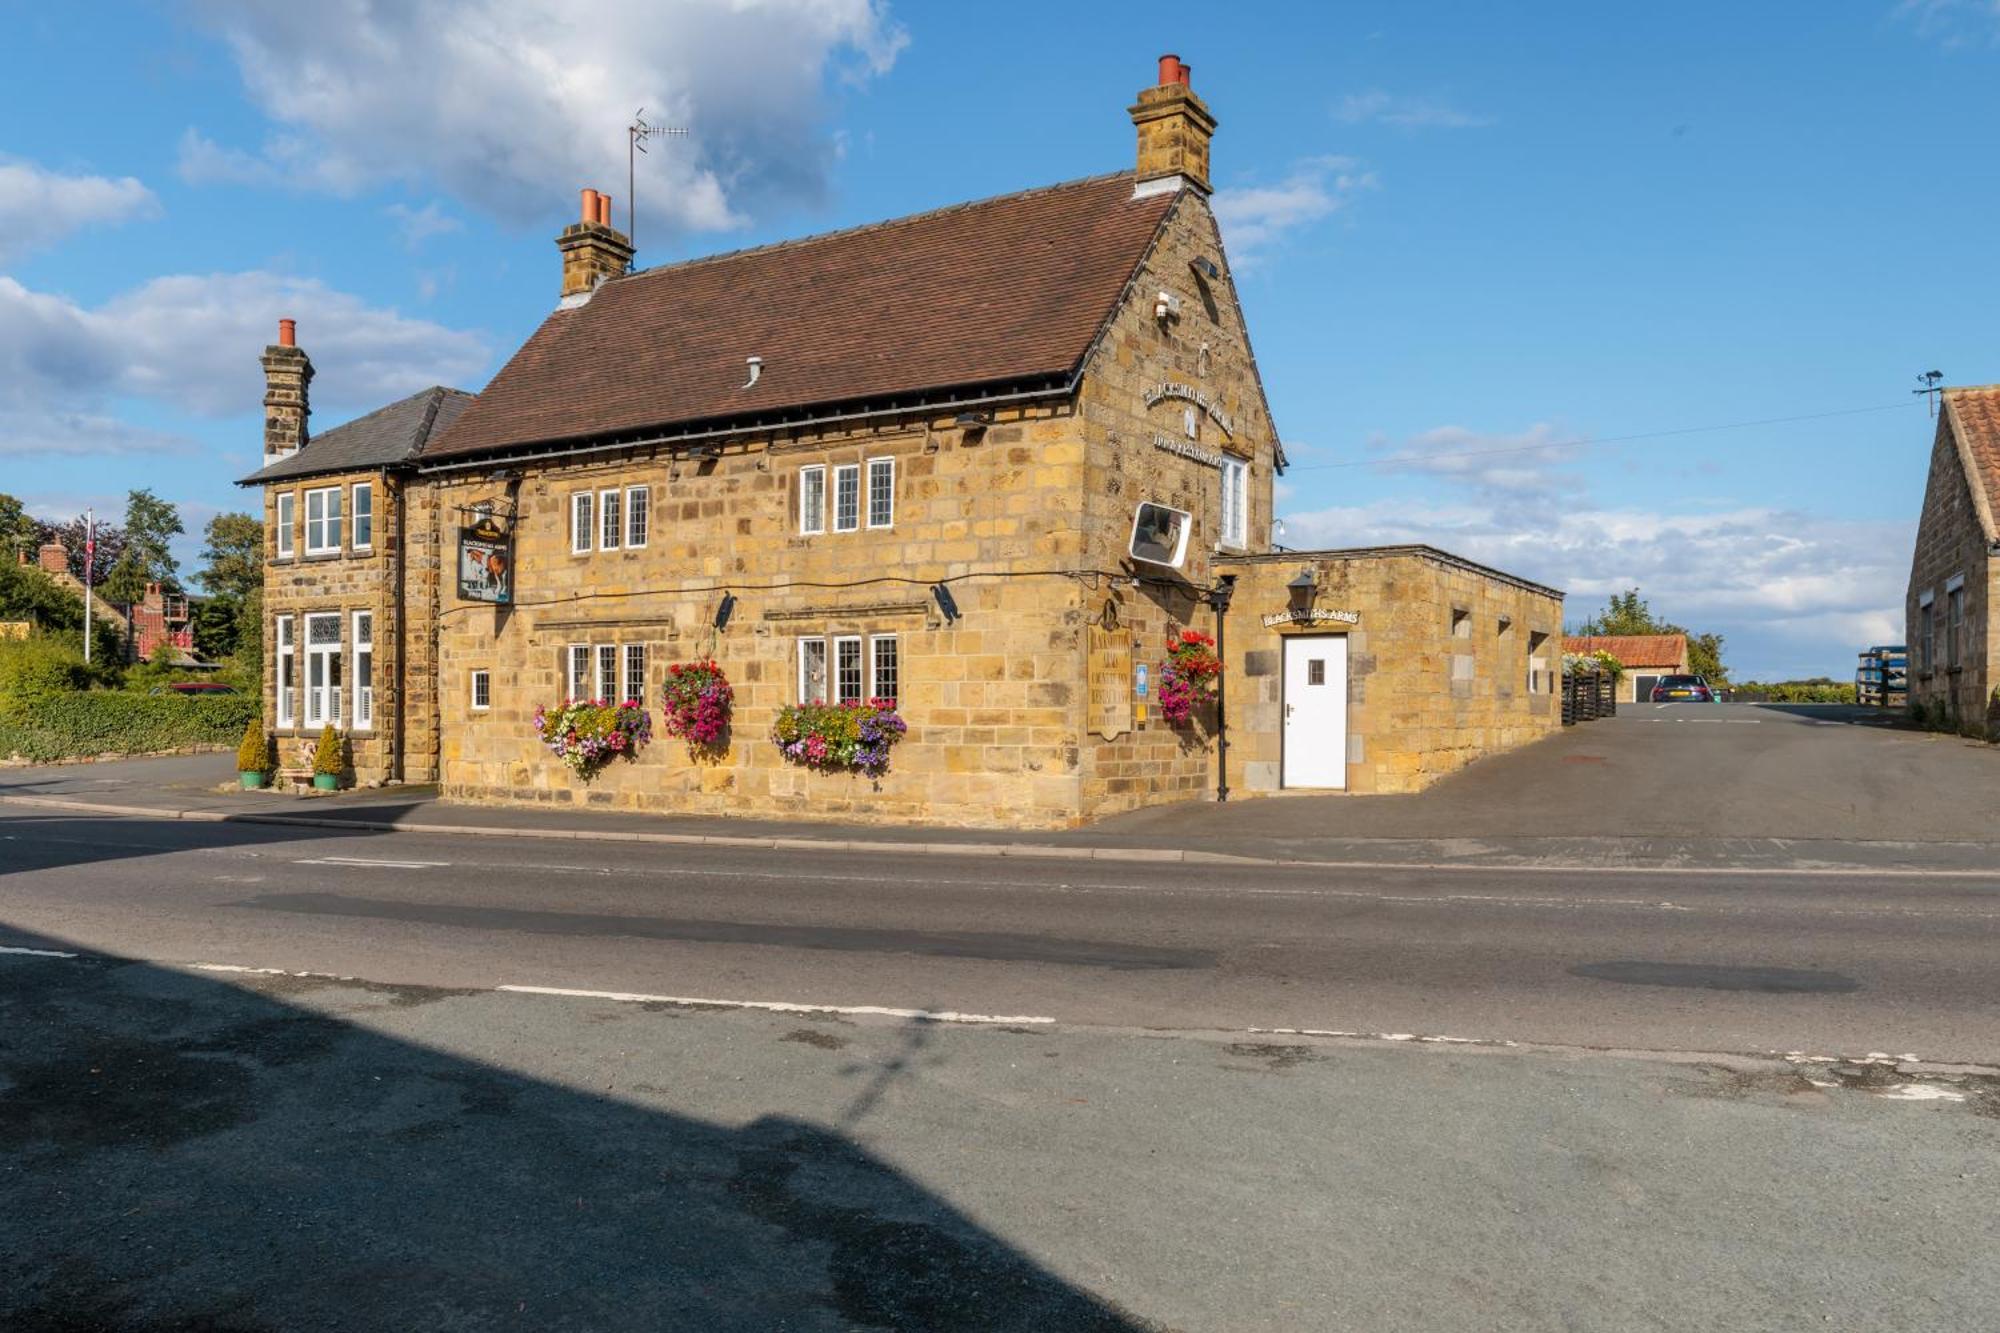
724	609
1302	587
945	602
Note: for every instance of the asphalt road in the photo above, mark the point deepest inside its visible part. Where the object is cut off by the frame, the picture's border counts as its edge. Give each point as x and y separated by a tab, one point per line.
1844	963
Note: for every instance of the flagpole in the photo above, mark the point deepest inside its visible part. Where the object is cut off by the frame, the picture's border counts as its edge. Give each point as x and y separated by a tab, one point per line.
89	560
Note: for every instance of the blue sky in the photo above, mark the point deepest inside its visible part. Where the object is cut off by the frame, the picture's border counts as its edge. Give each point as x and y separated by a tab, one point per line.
1466	235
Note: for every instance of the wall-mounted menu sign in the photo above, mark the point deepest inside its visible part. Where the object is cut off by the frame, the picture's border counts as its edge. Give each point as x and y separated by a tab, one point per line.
1188	393
1312	616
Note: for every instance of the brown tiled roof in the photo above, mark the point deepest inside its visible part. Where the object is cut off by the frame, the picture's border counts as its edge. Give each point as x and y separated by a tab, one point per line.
1632	650
1974	414
1000	292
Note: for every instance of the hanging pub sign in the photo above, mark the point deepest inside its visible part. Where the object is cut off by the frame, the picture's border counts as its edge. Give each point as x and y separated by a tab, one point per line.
1312	616
486	560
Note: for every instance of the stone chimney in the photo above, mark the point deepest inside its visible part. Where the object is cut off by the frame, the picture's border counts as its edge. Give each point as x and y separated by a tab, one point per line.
288	372
1174	129
592	250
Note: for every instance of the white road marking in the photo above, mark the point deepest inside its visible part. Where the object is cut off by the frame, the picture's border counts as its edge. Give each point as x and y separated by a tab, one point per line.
35	953
1383	1036
778	1006
1920	1092
370	861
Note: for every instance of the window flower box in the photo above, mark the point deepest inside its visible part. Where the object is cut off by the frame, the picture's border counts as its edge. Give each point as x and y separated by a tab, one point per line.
833	738
586	734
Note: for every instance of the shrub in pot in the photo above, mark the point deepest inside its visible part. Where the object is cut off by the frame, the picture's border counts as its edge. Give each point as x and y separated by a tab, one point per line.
253	756
328	760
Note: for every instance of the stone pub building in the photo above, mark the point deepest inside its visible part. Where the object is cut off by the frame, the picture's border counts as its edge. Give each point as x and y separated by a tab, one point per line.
900	461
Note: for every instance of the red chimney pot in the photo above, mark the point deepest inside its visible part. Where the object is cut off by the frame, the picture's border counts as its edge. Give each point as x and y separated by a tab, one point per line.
1170	70
590	205
604	209
1187	73
288	333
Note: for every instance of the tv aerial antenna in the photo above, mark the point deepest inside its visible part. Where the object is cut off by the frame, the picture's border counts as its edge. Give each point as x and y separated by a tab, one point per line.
636	135
1929	379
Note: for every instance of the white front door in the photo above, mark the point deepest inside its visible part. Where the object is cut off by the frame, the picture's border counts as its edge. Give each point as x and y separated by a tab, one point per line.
1316	711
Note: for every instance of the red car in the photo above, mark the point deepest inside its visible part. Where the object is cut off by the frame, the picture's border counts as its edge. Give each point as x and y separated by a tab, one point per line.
1682	689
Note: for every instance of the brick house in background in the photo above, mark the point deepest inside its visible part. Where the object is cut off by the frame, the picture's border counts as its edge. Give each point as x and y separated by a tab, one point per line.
898	461
1954	641
1645	657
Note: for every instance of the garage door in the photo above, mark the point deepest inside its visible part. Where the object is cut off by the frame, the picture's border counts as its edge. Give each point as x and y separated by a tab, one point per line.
1642	687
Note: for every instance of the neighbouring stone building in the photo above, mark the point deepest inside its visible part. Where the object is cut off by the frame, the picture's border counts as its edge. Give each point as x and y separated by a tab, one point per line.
1954	641
902	461
1645	657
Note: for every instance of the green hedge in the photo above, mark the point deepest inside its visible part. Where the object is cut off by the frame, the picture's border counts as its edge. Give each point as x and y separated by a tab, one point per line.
79	725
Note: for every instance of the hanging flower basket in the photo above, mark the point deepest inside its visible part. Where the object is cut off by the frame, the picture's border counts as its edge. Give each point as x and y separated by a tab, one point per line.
586	734
836	738
697	704
1188	676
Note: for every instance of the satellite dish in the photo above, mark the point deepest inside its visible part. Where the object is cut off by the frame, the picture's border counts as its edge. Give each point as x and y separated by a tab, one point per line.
1160	534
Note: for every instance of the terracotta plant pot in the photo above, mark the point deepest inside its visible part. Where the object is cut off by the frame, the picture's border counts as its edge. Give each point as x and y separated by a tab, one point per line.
252	781
326	782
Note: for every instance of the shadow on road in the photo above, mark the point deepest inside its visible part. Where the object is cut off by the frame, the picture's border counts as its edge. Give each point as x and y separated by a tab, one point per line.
180	1153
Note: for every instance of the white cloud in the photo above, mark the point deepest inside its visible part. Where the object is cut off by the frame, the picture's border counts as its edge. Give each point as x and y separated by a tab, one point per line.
1404	113
512	105
1954	24
1255	218
1496	466
421	224
39	207
191	343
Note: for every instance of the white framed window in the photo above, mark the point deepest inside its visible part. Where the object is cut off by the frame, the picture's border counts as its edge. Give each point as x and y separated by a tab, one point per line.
847	673
847	497
323	669
288	517
323	521
812	499
582	505
883	667
362	503
1235	501
576	677
607	673
635	672
638	514
610	521
812	671
364	670
288	679
482	690
881	492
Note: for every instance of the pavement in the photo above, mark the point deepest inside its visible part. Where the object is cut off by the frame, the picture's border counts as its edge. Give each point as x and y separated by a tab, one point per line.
1778	787
272	1076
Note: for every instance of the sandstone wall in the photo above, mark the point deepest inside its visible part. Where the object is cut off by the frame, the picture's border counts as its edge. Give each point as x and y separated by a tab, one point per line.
1952	541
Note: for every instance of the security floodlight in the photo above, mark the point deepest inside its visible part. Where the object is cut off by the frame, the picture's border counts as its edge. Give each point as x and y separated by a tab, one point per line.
724	609
973	420
945	603
1205	266
1160	534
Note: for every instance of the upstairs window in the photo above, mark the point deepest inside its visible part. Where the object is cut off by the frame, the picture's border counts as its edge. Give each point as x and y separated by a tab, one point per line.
847	497
1235	524
881	492
364	515
288	517
610	521
812	499
638	507
323	521
482	690
582	505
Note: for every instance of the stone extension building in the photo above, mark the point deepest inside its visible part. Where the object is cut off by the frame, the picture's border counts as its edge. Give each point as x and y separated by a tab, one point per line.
897	461
1954	640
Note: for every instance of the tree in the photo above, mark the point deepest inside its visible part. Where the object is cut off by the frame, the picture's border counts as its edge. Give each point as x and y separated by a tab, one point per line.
110	546
233	559
17	530
1627	613
216	621
126	584
150	525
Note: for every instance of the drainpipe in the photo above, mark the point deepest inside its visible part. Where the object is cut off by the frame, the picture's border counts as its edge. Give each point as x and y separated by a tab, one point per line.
1219	597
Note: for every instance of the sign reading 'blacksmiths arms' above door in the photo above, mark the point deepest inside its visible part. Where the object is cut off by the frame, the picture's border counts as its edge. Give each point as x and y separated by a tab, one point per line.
1159	393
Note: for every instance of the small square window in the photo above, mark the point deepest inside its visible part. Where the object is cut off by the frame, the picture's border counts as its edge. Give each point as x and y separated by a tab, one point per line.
1461	623
1315	671
482	691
